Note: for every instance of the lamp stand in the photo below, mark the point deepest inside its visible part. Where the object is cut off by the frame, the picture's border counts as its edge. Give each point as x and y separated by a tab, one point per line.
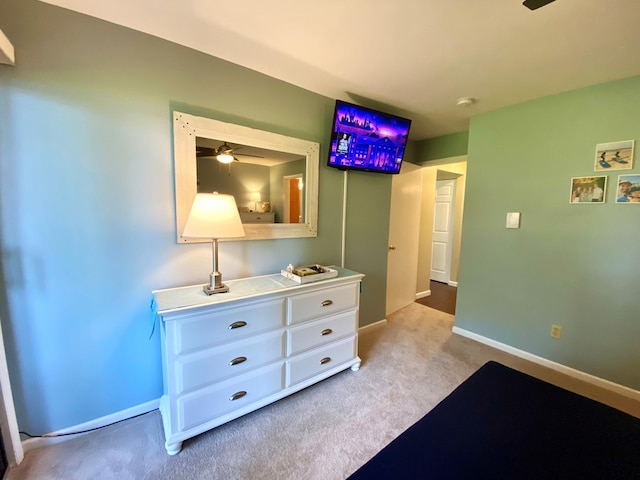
215	278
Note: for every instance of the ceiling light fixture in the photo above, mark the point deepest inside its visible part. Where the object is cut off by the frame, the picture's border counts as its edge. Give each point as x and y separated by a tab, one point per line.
224	158
224	153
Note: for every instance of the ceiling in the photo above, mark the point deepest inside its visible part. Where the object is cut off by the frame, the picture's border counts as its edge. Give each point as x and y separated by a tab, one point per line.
410	57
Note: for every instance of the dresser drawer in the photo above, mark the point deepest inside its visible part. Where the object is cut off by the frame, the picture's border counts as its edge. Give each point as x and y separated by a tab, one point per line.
320	332
312	363
255	217
207	404
322	302
204	367
202	330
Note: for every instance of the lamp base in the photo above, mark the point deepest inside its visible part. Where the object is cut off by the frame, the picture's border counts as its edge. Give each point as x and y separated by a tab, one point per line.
222	288
215	284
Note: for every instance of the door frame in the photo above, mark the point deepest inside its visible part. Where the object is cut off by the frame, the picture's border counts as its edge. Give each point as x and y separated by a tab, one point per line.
456	166
8	421
285	208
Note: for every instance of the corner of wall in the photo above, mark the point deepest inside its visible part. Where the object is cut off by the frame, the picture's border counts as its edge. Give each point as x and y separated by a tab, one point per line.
7	53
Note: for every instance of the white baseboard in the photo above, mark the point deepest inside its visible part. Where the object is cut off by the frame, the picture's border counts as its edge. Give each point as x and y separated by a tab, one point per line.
420	295
572	372
67	433
452	284
371	326
62	435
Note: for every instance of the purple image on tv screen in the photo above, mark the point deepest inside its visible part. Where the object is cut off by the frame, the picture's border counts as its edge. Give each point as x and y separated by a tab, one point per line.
366	139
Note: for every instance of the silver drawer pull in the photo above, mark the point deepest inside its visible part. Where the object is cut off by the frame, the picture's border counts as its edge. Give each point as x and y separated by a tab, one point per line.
326	303
237	395
237	360
237	325
325	360
326	331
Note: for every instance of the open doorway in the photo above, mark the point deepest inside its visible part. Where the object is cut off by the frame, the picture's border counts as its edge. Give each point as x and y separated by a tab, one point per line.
293	189
441	232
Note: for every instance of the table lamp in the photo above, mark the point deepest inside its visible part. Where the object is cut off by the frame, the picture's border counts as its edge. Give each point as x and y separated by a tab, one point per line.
214	216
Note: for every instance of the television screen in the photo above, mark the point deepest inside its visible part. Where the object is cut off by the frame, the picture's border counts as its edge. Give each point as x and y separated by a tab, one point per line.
366	139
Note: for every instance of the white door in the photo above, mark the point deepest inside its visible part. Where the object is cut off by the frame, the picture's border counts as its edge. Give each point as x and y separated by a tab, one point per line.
404	231
442	229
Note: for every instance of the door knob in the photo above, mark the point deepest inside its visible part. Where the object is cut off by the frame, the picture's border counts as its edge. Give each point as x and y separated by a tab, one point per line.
391	247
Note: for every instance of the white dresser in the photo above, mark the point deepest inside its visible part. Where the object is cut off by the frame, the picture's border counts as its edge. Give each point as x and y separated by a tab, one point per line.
228	354
256	217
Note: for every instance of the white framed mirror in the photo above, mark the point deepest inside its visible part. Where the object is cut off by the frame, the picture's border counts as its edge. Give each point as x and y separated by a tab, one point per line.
274	178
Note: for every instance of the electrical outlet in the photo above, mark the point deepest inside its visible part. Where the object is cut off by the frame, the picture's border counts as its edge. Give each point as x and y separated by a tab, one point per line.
556	331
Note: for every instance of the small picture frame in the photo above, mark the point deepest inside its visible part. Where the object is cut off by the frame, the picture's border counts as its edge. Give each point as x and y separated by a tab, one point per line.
628	189
588	190
614	156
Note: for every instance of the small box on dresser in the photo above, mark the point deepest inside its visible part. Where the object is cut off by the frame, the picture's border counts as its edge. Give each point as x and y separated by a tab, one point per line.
228	354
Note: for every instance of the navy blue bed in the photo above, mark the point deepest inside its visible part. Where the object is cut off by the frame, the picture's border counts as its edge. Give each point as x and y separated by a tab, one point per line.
504	424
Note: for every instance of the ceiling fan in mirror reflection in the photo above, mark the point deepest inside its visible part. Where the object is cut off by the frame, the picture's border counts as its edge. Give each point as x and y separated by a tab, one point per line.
224	153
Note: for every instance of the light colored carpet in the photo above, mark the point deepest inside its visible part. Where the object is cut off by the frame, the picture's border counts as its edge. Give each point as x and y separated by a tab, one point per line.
324	432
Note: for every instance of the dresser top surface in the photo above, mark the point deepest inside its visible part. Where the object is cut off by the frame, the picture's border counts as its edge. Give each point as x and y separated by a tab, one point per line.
193	296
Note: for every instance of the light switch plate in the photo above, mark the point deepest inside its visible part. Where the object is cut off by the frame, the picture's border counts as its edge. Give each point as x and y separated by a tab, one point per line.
513	219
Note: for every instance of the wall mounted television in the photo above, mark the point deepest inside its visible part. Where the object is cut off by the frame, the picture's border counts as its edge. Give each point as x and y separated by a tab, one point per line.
367	139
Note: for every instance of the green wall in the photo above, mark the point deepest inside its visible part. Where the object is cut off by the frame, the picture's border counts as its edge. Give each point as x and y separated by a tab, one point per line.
87	205
571	265
445	146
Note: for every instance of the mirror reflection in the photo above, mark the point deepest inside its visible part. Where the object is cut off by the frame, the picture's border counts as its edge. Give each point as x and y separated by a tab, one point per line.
268	185
273	177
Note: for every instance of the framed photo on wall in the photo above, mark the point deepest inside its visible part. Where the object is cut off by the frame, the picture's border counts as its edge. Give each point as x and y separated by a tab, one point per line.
614	156
588	190
628	189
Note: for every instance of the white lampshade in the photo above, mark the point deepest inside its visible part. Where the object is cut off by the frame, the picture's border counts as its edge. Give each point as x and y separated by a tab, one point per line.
213	215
